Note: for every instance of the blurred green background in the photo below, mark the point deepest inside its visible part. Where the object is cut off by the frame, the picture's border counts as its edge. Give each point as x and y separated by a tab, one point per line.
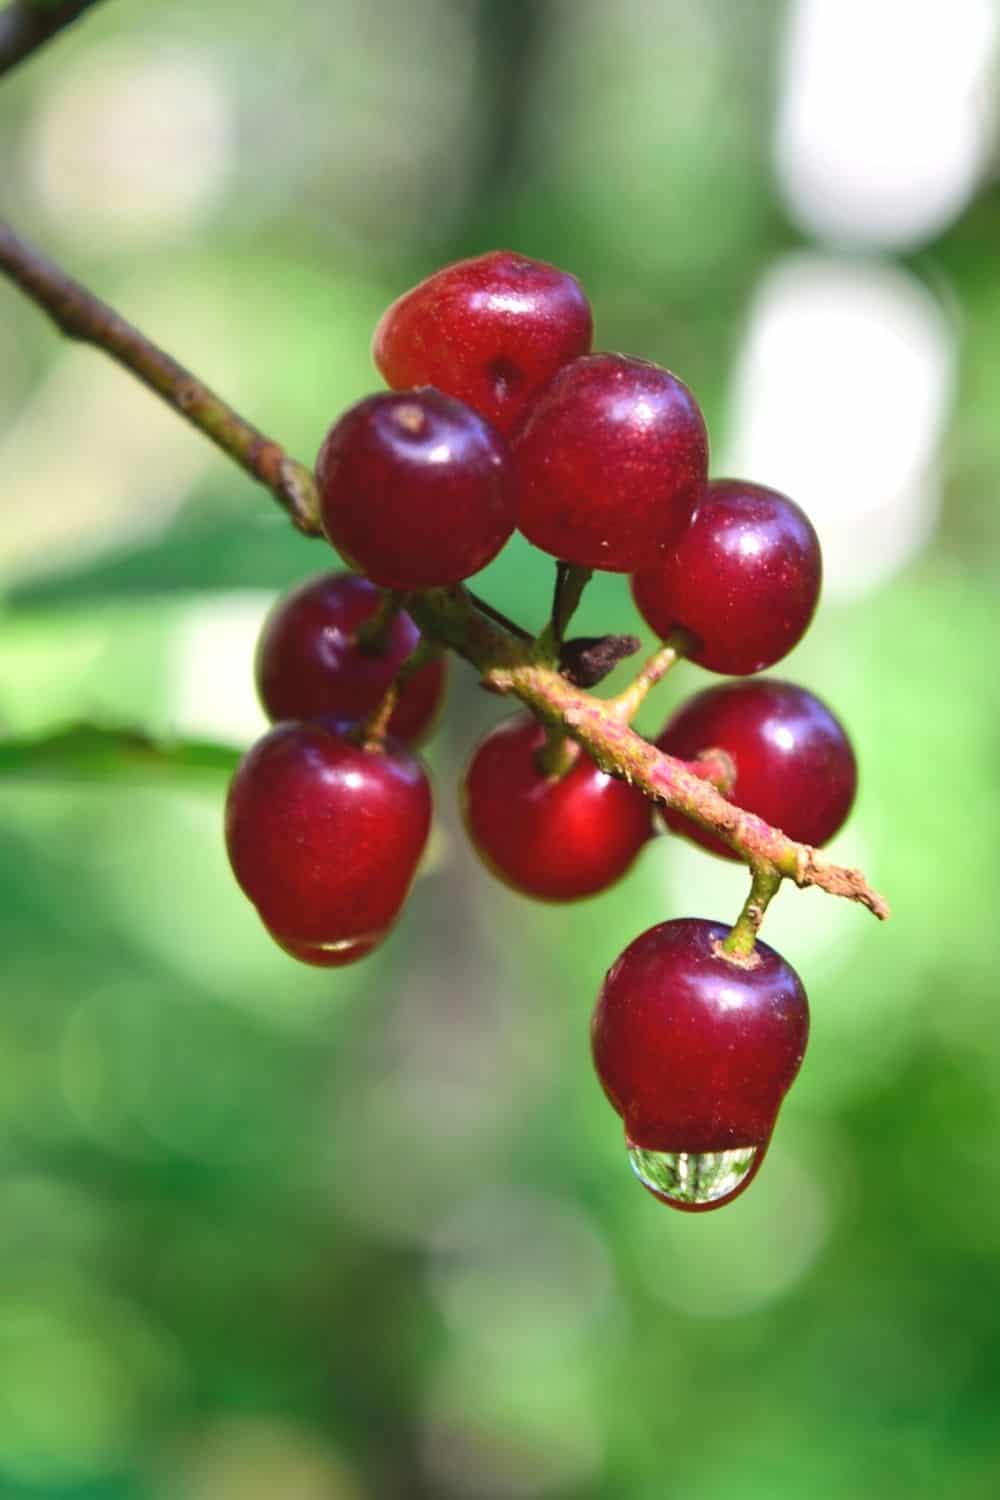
269	1233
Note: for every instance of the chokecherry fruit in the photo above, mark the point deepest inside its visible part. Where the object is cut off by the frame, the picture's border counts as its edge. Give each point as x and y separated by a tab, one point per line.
490	331
611	461
329	955
696	1052
743	579
416	489
794	764
553	837
324	836
311	663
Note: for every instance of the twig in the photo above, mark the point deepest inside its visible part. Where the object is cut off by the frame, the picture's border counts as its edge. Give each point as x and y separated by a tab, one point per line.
628	703
508	667
27	25
82	316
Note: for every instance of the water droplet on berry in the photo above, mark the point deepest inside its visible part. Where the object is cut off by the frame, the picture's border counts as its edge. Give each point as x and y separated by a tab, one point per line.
693	1178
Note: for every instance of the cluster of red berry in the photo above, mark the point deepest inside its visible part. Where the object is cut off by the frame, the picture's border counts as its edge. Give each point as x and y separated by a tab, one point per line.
499	417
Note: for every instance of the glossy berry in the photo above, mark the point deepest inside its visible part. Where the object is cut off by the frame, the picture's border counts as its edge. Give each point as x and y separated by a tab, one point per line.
416	490
324	836
794	764
310	663
743	579
696	1053
490	331
554	837
611	461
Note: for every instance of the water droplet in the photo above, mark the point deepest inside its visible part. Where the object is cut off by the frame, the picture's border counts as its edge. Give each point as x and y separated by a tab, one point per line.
693	1178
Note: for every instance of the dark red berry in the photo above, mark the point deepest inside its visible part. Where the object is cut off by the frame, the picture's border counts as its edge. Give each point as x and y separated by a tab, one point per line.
332	956
554	837
490	331
793	761
324	836
611	461
310	663
743	579
696	1053
416	490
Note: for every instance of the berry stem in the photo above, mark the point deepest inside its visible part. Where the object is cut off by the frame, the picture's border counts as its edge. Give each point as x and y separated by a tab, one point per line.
764	884
628	703
571	580
371	732
715	766
485	608
558	755
371	634
26	25
376	726
451	617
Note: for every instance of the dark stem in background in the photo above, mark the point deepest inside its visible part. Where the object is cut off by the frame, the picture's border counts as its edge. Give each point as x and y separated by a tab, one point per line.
511	35
27	25
571	581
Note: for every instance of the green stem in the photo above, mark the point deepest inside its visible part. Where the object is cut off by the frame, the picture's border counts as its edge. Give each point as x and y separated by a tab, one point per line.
739	945
628	703
376	726
371	633
571	580
559	754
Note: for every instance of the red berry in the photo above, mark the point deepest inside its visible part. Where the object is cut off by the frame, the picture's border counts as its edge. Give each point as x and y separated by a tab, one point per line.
557	838
332	956
611	461
744	579
324	836
416	490
794	764
310	664
696	1053
490	331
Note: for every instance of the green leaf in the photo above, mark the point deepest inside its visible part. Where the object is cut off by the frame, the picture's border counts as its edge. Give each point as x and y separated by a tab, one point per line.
94	752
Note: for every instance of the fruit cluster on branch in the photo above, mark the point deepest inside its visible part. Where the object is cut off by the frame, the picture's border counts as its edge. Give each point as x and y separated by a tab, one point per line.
498	418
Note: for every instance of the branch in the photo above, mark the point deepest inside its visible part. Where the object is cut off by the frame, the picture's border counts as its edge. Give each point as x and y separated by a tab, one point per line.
507	667
27	25
451	617
82	316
